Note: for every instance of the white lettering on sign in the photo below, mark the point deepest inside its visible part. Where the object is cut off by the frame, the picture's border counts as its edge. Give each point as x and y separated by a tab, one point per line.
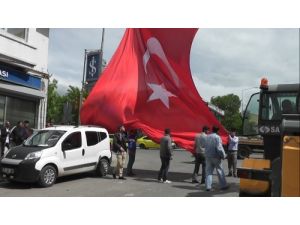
3	73
271	129
275	129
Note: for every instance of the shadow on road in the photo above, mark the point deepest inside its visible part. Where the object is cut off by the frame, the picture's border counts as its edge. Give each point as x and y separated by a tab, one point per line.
20	185
151	176
189	162
16	185
233	188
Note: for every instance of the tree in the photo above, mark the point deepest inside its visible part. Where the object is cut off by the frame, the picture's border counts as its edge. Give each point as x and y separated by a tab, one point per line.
230	104
55	103
73	97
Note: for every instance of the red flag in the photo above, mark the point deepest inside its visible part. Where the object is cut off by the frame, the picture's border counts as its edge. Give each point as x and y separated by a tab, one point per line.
148	85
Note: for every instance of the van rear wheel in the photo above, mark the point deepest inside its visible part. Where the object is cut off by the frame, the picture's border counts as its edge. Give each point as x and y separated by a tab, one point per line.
102	168
47	176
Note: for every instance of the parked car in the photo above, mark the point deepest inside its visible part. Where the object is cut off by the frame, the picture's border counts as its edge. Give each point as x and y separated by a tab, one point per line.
145	143
58	151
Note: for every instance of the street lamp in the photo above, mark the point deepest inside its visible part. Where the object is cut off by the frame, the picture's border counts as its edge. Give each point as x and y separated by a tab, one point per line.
243	90
82	85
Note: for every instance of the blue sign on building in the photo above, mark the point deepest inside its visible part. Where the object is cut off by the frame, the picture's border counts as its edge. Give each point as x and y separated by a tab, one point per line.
92	66
13	76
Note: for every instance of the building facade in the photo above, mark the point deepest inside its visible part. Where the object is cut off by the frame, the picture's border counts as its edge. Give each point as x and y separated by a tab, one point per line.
24	75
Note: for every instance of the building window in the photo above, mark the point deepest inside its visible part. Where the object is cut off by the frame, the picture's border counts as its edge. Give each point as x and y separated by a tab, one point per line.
20	110
18	32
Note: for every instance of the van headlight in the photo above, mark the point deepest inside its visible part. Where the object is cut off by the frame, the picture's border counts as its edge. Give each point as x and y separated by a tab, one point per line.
6	153
33	155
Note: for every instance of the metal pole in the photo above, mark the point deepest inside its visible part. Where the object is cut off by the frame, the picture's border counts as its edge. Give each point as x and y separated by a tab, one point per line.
101	50
82	86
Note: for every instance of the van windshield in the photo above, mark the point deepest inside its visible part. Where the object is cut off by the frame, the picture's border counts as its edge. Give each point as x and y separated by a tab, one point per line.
45	138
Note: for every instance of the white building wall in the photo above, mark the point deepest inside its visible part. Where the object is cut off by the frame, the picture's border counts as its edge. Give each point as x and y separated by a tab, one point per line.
34	51
31	53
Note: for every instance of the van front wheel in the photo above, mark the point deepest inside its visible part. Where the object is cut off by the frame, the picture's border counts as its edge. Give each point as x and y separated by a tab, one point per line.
47	176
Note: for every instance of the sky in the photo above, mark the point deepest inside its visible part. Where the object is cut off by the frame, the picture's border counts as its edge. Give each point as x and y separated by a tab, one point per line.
222	61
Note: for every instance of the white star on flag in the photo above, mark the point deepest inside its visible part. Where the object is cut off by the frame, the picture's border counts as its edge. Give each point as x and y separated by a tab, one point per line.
160	92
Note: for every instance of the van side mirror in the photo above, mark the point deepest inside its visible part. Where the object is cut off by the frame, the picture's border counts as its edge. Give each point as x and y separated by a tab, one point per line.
66	146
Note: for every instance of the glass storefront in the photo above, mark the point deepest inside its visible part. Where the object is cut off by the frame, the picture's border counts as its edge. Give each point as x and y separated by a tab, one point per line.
17	109
2	110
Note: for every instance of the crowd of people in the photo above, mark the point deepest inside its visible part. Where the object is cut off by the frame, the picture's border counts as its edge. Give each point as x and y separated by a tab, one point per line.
208	152
208	148
13	136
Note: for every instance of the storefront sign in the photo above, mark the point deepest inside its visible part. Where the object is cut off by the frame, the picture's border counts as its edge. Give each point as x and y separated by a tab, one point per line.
17	77
92	66
3	73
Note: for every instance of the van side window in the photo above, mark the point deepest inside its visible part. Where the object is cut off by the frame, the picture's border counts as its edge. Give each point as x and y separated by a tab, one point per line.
102	135
91	138
73	141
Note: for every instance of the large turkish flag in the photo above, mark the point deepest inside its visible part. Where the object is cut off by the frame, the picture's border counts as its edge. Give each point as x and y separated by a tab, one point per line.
148	85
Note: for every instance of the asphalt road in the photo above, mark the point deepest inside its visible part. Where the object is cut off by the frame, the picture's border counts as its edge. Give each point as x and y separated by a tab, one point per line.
144	184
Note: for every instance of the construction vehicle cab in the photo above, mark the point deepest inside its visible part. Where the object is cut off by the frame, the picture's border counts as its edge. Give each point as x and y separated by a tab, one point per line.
273	113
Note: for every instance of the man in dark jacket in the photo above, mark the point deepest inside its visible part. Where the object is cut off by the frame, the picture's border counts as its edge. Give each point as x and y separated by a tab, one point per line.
120	148
18	134
27	129
165	156
5	133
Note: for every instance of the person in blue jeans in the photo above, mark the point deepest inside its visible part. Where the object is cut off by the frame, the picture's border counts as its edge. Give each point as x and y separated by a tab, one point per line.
131	152
214	153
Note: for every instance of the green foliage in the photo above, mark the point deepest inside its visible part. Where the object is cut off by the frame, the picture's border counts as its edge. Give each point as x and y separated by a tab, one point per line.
73	97
56	102
230	104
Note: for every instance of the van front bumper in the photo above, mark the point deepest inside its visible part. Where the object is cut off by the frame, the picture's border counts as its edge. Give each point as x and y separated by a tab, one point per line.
19	170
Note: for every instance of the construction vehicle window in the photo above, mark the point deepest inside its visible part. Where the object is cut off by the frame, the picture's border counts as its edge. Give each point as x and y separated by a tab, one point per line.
298	103
276	104
250	120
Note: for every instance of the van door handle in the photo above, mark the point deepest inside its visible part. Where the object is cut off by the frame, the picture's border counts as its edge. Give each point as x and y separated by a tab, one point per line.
83	152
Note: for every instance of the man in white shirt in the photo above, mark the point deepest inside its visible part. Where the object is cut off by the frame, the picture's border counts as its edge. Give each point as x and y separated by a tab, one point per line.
233	142
5	132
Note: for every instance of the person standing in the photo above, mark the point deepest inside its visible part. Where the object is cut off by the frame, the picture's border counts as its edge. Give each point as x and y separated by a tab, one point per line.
120	148
199	147
49	124
5	139
131	152
233	142
214	153
165	156
28	130
18	134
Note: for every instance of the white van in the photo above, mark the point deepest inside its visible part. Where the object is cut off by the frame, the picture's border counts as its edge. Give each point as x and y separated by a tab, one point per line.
58	151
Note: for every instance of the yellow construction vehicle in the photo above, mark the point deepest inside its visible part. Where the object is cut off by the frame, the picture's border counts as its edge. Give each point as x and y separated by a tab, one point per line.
273	113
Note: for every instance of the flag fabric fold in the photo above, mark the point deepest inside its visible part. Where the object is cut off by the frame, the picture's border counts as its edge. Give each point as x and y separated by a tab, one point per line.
148	85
